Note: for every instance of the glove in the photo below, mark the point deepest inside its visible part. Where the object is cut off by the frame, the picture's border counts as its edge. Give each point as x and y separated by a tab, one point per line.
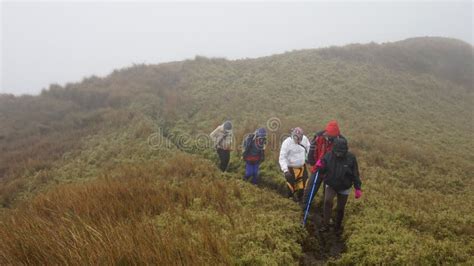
358	193
289	178
320	164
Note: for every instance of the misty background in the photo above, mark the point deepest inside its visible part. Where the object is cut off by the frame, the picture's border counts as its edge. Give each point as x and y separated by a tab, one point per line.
52	42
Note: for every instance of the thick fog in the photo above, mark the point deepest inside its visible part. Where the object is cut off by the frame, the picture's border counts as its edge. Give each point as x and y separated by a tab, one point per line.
44	43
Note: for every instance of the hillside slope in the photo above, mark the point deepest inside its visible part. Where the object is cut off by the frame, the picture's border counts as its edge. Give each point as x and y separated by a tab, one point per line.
406	108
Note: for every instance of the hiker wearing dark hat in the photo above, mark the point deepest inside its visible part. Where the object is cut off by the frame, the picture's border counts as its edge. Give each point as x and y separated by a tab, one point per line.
293	153
222	138
342	172
254	154
321	144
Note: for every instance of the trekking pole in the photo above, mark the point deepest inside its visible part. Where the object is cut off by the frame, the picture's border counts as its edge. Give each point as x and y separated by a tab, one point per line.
308	204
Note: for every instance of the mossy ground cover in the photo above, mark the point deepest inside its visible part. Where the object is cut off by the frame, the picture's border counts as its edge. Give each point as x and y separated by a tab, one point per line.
409	124
118	201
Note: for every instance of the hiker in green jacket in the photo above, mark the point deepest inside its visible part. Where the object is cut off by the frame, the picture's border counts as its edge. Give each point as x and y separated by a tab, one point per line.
222	138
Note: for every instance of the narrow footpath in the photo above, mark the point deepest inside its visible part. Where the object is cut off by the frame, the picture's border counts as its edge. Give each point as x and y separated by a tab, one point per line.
318	247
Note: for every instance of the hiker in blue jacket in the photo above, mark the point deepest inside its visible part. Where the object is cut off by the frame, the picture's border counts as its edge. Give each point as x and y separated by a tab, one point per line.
254	154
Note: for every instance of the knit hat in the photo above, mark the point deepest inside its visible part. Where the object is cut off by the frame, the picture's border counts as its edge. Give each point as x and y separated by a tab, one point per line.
260	138
261	133
332	129
227	125
298	133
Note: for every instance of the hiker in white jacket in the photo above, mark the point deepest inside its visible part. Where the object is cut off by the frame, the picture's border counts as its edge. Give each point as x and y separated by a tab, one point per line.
292	160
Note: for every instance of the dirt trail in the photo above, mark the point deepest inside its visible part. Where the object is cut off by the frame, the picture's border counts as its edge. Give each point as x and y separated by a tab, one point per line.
318	247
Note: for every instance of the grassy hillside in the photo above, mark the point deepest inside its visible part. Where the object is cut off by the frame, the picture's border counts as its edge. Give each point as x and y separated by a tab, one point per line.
120	160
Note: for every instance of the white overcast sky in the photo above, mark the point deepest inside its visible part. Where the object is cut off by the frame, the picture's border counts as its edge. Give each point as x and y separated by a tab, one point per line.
54	42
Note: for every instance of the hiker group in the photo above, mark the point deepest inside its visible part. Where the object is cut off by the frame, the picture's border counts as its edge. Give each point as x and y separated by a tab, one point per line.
327	154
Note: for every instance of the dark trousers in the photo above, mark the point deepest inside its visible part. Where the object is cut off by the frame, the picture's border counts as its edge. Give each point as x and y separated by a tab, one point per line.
224	157
309	185
330	194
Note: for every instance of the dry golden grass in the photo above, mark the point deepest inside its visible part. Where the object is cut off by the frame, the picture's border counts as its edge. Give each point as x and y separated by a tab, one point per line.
153	213
112	221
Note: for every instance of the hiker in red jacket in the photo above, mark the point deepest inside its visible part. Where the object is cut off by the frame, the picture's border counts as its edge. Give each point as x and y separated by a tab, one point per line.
321	144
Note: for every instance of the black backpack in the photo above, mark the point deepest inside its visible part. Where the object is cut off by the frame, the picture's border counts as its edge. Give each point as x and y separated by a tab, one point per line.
247	143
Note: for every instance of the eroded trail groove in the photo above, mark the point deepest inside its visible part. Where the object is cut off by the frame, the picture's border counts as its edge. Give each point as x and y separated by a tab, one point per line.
319	247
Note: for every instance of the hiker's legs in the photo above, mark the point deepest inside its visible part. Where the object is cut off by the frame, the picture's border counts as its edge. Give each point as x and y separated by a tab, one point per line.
256	178
251	172
225	160
299	196
305	176
309	185
248	171
301	179
291	186
224	156
341	205
324	187
328	201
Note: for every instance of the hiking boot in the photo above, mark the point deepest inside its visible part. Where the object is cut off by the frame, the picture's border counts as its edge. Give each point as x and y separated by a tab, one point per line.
290	197
323	228
295	198
331	223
